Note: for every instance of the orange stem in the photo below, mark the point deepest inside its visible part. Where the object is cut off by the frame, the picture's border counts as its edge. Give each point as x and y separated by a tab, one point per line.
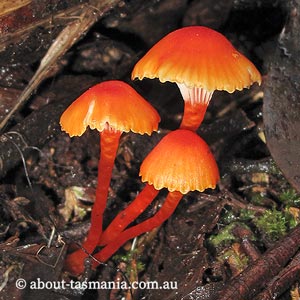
196	100
129	214
162	215
109	143
193	115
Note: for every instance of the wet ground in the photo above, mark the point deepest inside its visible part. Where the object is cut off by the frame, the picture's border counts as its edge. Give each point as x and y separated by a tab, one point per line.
237	241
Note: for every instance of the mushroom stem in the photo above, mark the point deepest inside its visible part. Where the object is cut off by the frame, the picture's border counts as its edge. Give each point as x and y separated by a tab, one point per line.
196	101
109	143
193	115
129	214
162	215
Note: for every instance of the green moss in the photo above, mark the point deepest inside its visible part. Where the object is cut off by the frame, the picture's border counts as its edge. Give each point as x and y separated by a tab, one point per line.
228	216
291	221
290	197
246	215
237	260
257	198
273	223
127	258
224	236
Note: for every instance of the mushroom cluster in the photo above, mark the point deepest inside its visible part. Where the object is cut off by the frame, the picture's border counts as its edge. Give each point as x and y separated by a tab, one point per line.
199	60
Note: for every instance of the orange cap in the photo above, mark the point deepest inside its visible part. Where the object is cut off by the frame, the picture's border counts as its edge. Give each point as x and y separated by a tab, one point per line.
198	56
181	161
110	104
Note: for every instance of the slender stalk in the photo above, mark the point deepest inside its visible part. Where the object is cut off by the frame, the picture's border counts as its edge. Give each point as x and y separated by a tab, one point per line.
193	115
196	101
129	214
162	215
109	143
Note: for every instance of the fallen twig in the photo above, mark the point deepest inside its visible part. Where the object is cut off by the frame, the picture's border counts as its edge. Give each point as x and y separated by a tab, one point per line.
252	280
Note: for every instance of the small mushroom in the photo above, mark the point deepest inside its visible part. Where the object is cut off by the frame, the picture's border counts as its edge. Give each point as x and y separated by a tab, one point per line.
111	107
180	162
199	60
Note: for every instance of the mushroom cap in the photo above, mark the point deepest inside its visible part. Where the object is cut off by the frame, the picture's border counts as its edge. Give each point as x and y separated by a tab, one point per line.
111	104
181	161
197	56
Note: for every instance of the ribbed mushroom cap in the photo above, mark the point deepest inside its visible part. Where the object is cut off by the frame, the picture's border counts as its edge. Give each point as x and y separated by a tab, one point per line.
181	161
110	104
198	57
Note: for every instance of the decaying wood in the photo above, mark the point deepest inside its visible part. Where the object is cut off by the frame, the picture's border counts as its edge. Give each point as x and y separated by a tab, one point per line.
252	280
283	281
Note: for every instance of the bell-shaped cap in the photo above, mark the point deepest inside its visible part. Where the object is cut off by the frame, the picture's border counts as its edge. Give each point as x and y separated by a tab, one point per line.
111	105
197	56
181	161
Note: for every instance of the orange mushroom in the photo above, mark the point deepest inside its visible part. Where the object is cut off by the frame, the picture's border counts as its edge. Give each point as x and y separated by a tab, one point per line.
200	60
180	162
111	107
